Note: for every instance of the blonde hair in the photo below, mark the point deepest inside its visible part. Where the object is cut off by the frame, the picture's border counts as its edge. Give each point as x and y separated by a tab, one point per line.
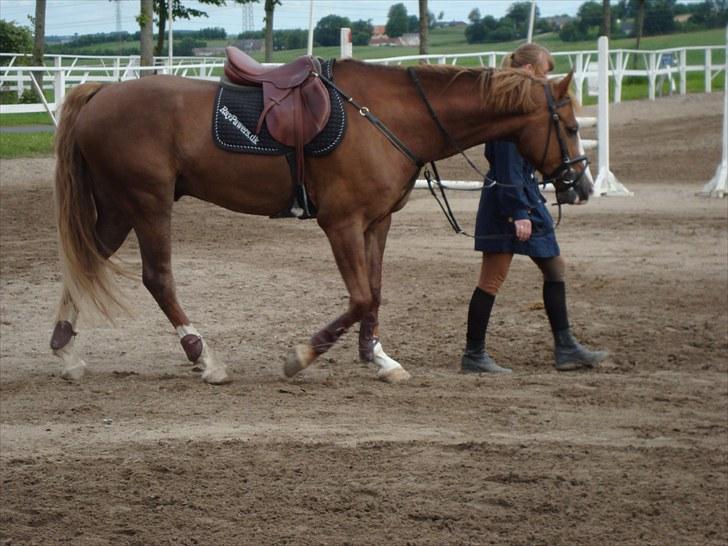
532	54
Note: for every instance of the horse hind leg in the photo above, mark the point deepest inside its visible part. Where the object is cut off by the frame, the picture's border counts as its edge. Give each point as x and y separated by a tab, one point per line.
155	246
111	231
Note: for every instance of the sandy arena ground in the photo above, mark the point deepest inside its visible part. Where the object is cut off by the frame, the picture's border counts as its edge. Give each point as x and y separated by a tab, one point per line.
142	452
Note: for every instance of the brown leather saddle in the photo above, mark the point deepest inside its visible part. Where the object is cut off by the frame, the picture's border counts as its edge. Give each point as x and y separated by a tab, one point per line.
296	104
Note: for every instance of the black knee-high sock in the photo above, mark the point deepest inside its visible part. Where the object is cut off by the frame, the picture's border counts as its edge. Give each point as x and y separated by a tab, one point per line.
481	303
554	300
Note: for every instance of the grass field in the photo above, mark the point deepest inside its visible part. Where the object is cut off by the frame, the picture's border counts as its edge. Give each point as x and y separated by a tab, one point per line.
13	145
39	118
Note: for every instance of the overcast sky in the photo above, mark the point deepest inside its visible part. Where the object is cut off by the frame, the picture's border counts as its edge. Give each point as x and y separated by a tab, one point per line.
67	17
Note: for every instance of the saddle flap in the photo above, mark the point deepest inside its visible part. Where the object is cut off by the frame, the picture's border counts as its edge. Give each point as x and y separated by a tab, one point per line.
296	117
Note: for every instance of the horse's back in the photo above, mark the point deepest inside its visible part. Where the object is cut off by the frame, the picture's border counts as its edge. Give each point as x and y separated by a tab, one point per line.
154	135
145	108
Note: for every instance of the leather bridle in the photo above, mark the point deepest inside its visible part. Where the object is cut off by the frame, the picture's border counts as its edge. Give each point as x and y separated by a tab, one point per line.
564	173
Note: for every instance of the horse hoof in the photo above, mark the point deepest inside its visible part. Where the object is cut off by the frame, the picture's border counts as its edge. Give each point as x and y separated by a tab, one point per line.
74	373
395	375
216	376
298	359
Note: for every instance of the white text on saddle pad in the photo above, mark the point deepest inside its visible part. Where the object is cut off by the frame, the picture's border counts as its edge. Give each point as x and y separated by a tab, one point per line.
232	118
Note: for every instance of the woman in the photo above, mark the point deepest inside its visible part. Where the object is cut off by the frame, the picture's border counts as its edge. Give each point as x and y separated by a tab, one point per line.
512	219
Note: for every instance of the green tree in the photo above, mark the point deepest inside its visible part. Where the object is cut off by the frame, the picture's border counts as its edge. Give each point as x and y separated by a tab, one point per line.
14	38
711	13
361	32
520	14
413	23
397	22
179	11
328	30
659	17
475	33
589	16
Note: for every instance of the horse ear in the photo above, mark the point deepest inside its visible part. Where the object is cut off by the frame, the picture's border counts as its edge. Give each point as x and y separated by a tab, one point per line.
562	87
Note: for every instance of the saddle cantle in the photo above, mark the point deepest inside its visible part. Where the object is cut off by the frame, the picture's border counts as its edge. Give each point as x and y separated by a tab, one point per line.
296	104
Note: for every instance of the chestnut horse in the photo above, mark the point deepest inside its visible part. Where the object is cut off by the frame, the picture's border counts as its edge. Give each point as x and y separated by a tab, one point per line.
127	151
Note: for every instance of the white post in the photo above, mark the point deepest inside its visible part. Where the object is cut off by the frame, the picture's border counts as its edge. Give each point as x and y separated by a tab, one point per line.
346	50
718	186
618	76
652	76
21	83
531	21
606	183
310	29
708	69
171	50
683	71
59	83
579	79
47	106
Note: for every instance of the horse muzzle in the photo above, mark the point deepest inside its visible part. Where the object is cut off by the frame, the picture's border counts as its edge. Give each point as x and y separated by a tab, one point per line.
572	187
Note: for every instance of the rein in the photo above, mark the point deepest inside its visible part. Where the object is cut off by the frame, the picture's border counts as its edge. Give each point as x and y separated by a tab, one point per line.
386	131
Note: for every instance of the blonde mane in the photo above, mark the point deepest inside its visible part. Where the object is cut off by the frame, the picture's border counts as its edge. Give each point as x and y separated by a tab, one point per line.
506	90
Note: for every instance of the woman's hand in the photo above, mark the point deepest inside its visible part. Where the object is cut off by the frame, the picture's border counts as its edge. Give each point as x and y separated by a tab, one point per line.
523	229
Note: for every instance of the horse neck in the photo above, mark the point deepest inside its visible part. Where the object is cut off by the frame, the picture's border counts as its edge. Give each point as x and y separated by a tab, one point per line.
392	96
458	103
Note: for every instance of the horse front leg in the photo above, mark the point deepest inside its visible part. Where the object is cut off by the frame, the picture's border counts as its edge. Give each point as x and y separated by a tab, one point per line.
370	346
347	244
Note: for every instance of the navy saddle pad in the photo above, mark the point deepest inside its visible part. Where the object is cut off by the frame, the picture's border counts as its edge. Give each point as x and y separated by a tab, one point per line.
236	114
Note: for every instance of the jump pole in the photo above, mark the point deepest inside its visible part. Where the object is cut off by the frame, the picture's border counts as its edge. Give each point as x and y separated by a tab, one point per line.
718	186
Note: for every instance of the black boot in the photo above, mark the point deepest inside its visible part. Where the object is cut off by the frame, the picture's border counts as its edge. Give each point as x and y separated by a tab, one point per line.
570	355
476	360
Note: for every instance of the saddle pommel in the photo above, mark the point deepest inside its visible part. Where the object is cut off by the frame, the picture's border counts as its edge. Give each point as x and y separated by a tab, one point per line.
242	69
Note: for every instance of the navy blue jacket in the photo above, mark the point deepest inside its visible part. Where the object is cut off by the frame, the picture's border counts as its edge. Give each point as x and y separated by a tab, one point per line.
500	206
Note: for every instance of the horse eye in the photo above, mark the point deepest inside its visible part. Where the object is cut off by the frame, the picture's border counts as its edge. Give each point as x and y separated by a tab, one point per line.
572	130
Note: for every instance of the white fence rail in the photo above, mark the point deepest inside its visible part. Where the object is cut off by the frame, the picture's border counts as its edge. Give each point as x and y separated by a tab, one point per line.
670	65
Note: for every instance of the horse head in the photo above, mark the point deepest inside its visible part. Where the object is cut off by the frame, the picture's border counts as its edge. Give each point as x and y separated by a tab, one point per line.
551	142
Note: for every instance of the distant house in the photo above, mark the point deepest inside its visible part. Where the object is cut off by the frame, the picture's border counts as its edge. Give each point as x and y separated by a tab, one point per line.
558	21
411	40
379	30
380	38
250	44
383	41
208	51
683	17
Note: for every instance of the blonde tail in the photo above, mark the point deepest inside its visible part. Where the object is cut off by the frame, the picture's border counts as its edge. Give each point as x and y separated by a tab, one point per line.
87	274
